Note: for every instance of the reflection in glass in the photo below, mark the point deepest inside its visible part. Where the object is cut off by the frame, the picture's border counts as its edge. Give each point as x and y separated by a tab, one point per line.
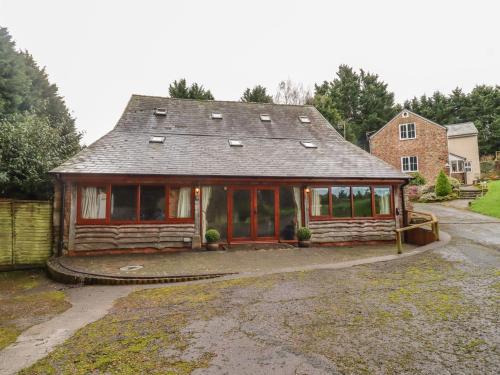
341	201
319	202
241	213
214	210
362	196
265	213
382	200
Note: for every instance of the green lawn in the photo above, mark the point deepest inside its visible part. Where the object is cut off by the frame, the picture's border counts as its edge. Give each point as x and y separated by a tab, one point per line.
490	203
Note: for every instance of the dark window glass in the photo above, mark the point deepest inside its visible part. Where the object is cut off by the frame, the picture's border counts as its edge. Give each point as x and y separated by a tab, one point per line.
152	203
265	213
123	203
241	213
215	202
382	200
341	201
319	202
290	211
362	201
411	130
402	129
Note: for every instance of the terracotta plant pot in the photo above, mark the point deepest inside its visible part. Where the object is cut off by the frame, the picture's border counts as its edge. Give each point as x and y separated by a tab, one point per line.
212	246
306	243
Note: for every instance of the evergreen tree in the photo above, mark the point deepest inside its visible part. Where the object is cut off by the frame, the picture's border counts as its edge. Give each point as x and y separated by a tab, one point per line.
256	95
181	90
443	185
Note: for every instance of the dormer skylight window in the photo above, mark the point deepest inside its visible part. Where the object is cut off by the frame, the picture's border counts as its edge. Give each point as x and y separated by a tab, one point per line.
265	117
216	116
160	111
235	143
308	144
157	139
304	119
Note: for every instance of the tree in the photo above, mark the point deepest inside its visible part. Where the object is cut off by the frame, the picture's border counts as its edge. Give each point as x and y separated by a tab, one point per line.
291	93
29	103
443	185
256	95
360	101
181	90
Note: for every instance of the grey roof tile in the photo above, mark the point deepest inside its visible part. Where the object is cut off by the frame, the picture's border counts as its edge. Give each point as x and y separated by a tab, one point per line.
196	144
458	130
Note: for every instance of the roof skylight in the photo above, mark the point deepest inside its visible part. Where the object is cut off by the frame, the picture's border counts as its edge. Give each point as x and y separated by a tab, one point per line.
305	119
216	116
235	143
308	144
265	117
157	139
160	111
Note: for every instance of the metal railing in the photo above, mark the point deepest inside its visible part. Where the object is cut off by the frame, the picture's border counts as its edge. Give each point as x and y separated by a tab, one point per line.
431	220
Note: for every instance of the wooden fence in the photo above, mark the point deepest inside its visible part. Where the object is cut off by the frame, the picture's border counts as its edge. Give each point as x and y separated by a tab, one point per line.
25	233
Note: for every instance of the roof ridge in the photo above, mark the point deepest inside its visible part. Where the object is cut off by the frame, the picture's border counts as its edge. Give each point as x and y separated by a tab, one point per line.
222	101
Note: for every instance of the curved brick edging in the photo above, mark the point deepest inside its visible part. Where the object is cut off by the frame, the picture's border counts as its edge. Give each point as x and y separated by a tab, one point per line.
63	274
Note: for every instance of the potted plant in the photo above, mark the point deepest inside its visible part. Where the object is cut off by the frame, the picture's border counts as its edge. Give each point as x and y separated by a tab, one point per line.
212	236
304	235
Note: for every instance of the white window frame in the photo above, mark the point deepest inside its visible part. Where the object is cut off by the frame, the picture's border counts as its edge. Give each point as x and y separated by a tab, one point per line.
406	130
467	166
409	164
457	164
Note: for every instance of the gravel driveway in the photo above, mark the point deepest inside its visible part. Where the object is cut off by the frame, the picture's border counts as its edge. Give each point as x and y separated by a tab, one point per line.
434	313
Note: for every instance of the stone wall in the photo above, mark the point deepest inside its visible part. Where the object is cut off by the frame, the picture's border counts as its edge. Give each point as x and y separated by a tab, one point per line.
353	230
111	237
430	145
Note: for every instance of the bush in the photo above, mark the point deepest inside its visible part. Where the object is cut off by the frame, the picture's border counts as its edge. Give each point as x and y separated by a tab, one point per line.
304	234
443	186
212	235
455	184
417	179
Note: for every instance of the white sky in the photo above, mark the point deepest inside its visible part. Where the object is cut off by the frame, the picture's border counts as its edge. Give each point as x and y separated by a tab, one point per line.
100	52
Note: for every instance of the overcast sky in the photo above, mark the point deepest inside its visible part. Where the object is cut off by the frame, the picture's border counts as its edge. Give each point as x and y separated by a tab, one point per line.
100	52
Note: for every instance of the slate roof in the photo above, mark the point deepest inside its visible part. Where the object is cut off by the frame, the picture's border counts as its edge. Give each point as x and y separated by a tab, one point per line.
196	144
461	130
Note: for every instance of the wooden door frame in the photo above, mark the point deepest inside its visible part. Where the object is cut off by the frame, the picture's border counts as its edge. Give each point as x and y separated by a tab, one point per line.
253	214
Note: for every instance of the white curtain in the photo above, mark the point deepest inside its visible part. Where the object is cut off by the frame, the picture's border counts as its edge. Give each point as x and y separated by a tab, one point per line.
206	194
315	203
298	206
385	203
184	204
93	203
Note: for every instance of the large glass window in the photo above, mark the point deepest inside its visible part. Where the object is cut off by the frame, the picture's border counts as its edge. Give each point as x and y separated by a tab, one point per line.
341	201
214	210
93	202
362	198
382	200
152	203
320	202
124	203
290	212
179	203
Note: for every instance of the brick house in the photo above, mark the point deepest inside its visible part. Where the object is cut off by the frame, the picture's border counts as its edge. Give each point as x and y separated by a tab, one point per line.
173	168
412	143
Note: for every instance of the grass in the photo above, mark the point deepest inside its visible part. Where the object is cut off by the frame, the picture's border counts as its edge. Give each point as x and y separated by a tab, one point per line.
490	203
26	298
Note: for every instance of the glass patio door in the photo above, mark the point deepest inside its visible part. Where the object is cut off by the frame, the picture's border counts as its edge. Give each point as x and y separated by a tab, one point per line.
253	213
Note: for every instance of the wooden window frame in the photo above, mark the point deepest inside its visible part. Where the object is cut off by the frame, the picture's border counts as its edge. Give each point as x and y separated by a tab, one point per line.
108	221
330	217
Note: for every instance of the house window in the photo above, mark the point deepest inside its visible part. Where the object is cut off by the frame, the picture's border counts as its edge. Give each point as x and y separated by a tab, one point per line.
179	203
320	205
341	201
362	201
152	202
382	197
124	203
409	164
457	166
407	131
93	202
467	166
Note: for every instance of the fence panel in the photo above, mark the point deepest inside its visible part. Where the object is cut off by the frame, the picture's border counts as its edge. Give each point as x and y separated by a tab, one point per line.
5	233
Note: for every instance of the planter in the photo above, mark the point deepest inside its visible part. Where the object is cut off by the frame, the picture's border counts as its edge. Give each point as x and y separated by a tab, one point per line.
306	243
212	246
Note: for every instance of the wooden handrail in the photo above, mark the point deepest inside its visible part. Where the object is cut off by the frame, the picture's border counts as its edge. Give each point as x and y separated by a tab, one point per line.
433	222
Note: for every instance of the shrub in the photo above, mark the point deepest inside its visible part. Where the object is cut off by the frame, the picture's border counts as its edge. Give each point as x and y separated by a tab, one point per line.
443	186
303	234
417	179
432	197
212	235
455	184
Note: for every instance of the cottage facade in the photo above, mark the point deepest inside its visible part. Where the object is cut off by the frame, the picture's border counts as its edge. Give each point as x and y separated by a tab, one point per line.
413	143
172	168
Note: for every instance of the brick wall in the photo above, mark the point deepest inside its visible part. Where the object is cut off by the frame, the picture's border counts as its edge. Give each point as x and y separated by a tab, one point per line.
430	145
